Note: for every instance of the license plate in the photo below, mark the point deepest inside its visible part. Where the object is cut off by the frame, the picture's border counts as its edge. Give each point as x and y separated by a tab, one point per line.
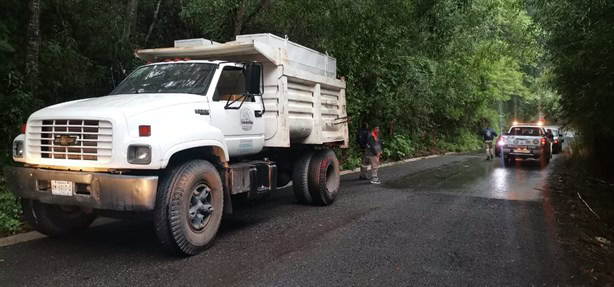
522	150
60	187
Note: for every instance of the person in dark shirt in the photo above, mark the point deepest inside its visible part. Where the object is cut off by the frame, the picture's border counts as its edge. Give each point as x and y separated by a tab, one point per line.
489	135
362	139
373	153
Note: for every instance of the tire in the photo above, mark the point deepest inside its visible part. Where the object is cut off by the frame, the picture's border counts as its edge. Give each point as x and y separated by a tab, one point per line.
507	161
300	178
55	220
194	185
283	179
545	158
324	177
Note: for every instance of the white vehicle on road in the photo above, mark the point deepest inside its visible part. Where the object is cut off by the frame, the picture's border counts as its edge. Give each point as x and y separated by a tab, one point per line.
526	141
558	138
182	136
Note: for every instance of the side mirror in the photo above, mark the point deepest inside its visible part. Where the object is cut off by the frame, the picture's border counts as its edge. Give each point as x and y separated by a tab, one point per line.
253	77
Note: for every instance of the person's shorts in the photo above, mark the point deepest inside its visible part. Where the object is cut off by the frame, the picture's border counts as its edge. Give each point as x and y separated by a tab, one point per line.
488	144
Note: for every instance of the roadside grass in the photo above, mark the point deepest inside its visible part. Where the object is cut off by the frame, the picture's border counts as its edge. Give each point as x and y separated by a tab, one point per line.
401	146
10	212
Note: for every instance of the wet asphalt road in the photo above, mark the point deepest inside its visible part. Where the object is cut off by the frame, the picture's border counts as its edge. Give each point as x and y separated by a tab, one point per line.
453	220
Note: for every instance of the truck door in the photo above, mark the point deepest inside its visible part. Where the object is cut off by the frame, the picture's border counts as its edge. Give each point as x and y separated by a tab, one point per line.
236	114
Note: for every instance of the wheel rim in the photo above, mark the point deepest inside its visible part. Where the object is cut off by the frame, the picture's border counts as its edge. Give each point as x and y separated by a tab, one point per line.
200	206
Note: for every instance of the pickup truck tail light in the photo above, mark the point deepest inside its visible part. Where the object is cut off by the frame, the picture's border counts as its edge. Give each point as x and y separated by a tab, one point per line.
543	141
22	128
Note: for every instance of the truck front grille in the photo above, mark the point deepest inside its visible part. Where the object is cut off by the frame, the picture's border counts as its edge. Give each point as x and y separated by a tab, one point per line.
90	140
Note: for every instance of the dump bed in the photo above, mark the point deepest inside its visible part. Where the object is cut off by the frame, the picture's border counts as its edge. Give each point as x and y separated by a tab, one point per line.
305	103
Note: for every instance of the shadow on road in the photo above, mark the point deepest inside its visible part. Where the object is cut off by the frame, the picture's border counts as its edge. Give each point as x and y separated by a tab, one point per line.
138	237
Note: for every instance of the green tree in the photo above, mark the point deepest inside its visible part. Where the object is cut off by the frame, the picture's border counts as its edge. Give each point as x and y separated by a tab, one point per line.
579	39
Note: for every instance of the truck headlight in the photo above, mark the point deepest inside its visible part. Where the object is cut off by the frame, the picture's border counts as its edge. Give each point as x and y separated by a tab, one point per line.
139	154
501	143
18	149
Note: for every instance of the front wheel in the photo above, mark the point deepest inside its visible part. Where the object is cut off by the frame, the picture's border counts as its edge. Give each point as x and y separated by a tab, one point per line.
189	207
55	220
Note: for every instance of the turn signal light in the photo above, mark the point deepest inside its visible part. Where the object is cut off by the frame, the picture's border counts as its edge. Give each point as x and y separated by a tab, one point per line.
22	128
144	131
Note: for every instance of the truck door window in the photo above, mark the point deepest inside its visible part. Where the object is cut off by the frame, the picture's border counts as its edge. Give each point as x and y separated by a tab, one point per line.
231	86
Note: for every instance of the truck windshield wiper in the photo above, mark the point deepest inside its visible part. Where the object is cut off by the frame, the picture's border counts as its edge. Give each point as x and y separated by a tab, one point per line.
198	82
132	85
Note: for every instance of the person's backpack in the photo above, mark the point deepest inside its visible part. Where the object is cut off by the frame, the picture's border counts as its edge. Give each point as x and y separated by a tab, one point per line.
363	138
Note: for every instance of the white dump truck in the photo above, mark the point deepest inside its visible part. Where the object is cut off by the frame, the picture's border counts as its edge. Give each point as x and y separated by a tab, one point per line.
201	124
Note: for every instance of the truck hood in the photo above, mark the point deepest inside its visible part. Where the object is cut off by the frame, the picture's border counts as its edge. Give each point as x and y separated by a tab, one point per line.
126	104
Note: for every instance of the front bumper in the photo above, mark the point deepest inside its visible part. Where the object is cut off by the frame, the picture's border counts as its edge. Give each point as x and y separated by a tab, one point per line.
93	190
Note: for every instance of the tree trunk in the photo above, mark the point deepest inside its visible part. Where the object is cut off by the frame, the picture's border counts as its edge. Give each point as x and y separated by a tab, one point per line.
239	18
33	45
261	5
154	21
130	20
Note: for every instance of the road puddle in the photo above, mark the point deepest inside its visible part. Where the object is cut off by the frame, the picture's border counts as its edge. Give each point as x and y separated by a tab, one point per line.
524	180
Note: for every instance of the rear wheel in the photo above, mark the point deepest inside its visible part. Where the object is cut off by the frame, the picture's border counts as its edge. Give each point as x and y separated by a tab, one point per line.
324	177
283	178
55	220
189	207
300	178
507	161
545	158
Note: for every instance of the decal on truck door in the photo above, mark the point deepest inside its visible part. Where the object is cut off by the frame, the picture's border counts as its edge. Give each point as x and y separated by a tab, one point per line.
247	120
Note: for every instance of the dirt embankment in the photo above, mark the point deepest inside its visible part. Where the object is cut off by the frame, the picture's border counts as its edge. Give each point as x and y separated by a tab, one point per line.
584	205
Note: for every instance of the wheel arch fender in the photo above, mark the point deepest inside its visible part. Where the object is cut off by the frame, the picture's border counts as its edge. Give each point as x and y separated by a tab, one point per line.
215	148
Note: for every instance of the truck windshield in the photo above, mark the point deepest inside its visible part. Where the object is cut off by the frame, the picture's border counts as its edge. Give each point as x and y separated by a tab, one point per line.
525	131
192	78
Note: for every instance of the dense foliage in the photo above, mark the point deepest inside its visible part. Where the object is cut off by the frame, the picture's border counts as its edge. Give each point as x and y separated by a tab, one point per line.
579	40
430	73
10	212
